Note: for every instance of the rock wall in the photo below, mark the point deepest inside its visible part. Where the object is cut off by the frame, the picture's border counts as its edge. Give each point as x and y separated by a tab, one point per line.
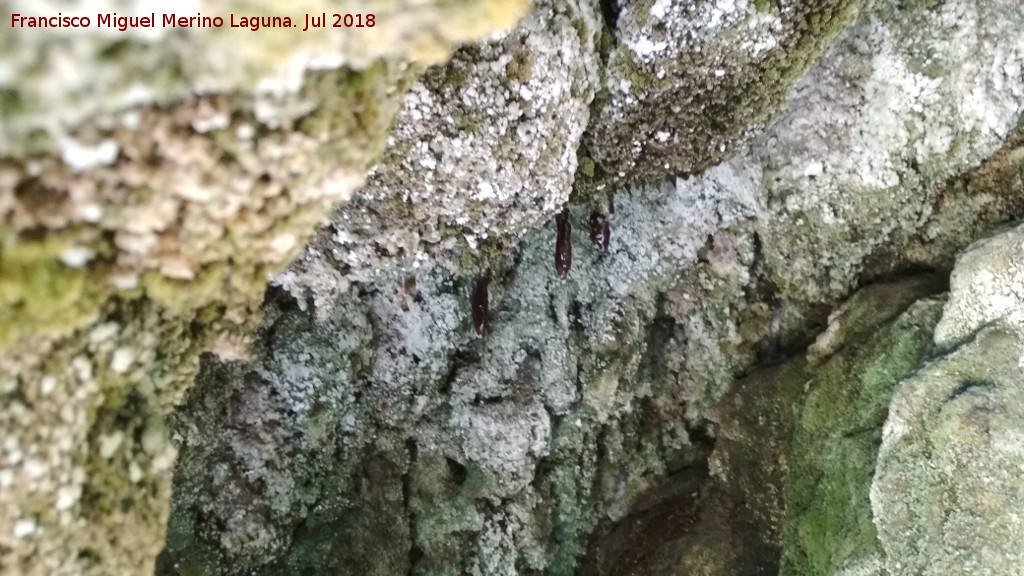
946	475
508	454
150	183
757	164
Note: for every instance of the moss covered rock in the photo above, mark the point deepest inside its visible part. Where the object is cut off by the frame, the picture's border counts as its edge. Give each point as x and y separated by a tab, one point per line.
831	459
484	150
56	81
947	474
687	82
875	131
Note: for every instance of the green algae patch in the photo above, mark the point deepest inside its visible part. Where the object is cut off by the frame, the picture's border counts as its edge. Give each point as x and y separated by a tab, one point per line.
796	443
837	431
356	109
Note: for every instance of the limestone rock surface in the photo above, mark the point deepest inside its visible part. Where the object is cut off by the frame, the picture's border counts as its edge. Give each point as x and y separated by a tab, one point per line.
948	468
757	162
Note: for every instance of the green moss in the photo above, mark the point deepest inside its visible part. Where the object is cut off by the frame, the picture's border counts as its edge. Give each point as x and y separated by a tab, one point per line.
520	67
712	110
838	430
355	107
442	502
182	296
40	294
465	121
763	5
587	167
10	102
466	262
370	535
581	30
456	76
119	50
569	490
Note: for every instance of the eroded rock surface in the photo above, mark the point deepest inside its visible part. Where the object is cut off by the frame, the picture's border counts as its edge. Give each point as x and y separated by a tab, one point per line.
502	455
948	467
150	183
484	151
686	83
372	431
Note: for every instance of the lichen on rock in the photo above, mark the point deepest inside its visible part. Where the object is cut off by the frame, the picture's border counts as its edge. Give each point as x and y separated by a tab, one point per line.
484	150
56	79
149	186
373	429
945	474
688	83
871	130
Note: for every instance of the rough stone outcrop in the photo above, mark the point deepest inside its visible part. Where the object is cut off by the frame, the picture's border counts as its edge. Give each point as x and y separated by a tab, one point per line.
687	83
900	105
503	455
371	431
948	468
484	151
150	182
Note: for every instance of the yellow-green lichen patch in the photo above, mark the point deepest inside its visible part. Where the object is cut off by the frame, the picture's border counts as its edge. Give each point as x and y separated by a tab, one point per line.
520	68
184	296
219	59
95	437
40	294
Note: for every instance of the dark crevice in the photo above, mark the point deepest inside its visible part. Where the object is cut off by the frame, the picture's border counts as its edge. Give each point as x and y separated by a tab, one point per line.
415	552
968	386
660	333
457	471
280	299
459	360
576	317
610	11
487	400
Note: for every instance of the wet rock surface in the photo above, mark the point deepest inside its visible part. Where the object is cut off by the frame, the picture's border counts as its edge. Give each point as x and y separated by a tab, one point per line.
785	488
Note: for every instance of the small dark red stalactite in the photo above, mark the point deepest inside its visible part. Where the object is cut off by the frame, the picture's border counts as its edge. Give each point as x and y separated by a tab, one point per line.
563	244
478	302
600	231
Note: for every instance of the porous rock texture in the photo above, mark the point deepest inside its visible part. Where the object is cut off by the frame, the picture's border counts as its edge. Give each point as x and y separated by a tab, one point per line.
150	182
484	150
371	431
949	466
686	82
372	413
